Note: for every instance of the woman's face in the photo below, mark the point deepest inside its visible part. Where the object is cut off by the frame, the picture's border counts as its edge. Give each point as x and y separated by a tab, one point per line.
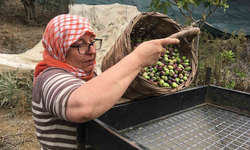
86	61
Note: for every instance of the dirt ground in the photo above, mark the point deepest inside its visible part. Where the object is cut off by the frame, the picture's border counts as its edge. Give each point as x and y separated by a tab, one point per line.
15	36
18	132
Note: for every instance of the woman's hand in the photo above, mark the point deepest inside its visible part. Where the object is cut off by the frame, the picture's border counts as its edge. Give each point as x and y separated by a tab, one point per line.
149	52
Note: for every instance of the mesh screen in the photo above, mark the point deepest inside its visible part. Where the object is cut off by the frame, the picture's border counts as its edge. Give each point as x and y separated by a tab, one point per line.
205	127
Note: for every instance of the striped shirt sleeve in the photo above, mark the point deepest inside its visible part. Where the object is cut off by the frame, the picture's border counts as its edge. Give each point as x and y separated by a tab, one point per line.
57	85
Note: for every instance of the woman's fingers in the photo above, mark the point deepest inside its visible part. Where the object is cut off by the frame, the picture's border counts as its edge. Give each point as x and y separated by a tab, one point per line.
169	41
149	52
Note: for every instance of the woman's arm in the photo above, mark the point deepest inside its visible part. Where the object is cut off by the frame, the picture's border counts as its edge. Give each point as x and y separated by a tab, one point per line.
99	94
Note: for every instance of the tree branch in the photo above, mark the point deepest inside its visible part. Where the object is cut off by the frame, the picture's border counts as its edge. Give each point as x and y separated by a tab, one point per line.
184	14
172	3
192	8
190	17
213	10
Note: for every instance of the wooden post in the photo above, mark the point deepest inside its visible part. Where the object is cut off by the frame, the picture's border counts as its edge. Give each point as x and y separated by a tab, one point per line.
208	76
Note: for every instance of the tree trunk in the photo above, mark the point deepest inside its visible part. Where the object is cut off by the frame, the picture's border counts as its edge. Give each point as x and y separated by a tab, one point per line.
30	11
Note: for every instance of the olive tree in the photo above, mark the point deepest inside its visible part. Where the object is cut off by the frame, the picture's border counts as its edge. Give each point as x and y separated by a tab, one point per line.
30	12
54	5
47	5
186	7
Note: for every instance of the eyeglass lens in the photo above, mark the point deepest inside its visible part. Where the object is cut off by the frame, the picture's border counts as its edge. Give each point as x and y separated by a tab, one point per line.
86	47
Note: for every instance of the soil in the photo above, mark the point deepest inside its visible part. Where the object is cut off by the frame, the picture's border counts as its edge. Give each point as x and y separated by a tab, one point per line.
15	35
18	132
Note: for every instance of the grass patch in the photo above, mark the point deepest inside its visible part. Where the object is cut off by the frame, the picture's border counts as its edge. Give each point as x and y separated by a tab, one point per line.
228	59
16	90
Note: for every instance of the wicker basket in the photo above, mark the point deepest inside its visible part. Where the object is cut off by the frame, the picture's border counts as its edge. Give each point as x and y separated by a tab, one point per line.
152	25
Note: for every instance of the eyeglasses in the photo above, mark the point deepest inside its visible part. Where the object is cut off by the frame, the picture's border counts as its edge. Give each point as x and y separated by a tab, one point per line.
84	48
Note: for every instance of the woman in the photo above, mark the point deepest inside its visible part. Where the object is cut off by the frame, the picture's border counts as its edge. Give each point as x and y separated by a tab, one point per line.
65	91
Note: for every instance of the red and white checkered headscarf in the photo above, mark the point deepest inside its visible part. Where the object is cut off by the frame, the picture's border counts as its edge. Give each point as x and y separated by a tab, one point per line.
60	33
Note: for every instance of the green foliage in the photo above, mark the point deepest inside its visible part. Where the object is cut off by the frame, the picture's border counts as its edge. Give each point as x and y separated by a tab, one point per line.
54	5
16	90
220	55
231	84
239	73
227	55
228	82
160	6
236	43
188	5
220	3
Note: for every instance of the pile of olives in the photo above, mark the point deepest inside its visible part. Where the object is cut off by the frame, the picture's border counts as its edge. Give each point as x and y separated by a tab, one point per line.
171	70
